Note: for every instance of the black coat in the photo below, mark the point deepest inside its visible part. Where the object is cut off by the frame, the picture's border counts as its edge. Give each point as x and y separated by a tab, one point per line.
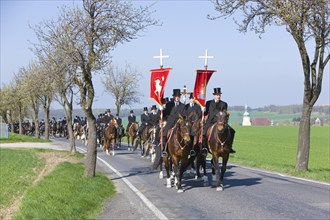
154	119
171	114
119	121
131	119
196	108
212	108
144	119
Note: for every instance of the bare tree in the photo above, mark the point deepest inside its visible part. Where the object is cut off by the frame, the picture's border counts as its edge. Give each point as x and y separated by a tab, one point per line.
304	20
86	37
123	85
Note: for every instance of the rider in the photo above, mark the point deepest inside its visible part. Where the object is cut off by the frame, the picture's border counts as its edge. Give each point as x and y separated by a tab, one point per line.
144	122
119	121
131	119
212	107
191	108
171	114
107	117
154	118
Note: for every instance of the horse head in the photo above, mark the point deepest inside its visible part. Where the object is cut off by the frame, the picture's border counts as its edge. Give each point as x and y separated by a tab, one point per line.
183	129
113	122
194	123
222	118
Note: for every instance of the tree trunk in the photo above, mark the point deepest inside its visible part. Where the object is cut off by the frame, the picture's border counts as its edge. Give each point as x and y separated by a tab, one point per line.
46	110
304	138
70	131
91	144
20	128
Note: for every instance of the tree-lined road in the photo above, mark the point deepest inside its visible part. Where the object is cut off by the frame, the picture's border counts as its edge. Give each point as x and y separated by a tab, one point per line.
248	194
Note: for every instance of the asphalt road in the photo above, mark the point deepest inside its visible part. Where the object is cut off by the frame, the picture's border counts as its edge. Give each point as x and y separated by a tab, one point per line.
248	194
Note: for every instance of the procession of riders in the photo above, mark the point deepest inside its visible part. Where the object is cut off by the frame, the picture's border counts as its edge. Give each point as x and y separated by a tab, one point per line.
150	121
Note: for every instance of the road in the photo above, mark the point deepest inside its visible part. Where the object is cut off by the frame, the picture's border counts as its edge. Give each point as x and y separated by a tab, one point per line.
248	194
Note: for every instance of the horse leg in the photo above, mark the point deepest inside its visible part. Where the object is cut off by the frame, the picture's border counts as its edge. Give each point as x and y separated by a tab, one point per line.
219	186
107	146
168	176
203	162
113	146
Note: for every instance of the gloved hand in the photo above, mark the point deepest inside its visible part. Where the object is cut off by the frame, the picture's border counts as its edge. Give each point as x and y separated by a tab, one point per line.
161	107
203	109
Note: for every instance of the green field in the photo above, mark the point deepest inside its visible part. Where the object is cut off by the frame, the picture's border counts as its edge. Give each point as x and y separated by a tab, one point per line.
275	148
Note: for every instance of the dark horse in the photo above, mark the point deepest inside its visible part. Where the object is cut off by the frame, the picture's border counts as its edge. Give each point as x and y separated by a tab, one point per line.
147	136
120	134
218	136
196	134
110	136
178	147
131	134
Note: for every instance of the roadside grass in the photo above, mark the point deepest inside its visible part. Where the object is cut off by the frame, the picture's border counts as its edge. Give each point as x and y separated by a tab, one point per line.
13	138
275	148
66	194
18	170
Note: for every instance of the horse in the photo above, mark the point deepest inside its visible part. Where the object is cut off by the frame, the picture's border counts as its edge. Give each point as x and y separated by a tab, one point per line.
147	136
196	134
131	134
100	133
218	136
110	136
79	132
120	134
178	146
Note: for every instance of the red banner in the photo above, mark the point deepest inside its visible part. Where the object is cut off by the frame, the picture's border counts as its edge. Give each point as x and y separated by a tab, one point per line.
157	84
202	78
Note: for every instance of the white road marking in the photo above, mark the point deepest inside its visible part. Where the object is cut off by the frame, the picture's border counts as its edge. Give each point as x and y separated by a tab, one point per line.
146	201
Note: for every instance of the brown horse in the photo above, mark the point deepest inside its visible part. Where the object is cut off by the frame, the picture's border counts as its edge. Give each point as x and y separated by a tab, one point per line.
110	136
178	146
218	137
131	134
196	133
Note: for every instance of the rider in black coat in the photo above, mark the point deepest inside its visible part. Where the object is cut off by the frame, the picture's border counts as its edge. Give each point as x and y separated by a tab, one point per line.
144	122
212	107
131	119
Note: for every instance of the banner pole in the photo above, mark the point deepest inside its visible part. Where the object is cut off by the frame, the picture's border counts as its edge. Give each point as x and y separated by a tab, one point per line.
161	129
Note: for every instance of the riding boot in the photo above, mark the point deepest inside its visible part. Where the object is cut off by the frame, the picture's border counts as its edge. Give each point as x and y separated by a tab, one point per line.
164	153
204	146
231	140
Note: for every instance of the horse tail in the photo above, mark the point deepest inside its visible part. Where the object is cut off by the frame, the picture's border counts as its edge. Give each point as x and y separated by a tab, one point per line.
158	158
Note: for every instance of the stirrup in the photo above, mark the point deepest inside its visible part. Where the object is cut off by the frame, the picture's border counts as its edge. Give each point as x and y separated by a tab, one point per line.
204	151
164	154
192	153
232	151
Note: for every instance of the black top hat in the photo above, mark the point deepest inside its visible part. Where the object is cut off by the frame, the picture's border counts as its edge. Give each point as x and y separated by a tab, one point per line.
153	107
145	109
191	96
176	92
166	100
117	114
108	110
131	111
217	91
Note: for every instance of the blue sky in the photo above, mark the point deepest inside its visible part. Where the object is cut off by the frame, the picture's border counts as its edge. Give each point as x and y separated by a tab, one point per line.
250	70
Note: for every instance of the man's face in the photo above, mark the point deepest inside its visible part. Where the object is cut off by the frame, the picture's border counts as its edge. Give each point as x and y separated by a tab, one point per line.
176	98
217	97
192	101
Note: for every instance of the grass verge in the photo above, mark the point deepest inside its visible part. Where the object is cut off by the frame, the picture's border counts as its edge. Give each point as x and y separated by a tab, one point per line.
13	138
66	194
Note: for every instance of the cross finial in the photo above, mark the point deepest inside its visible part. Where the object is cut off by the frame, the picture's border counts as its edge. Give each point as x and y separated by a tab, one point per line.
206	57
161	56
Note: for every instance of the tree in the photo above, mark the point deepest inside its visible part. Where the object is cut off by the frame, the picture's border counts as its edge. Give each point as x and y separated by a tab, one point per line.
305	20
86	37
123	84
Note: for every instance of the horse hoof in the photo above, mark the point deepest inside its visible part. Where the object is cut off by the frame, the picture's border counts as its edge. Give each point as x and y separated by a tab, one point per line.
219	188
168	183
180	190
113	153
161	175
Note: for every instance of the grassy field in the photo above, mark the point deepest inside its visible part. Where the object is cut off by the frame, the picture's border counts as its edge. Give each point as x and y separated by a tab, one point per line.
13	137
82	196
275	148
